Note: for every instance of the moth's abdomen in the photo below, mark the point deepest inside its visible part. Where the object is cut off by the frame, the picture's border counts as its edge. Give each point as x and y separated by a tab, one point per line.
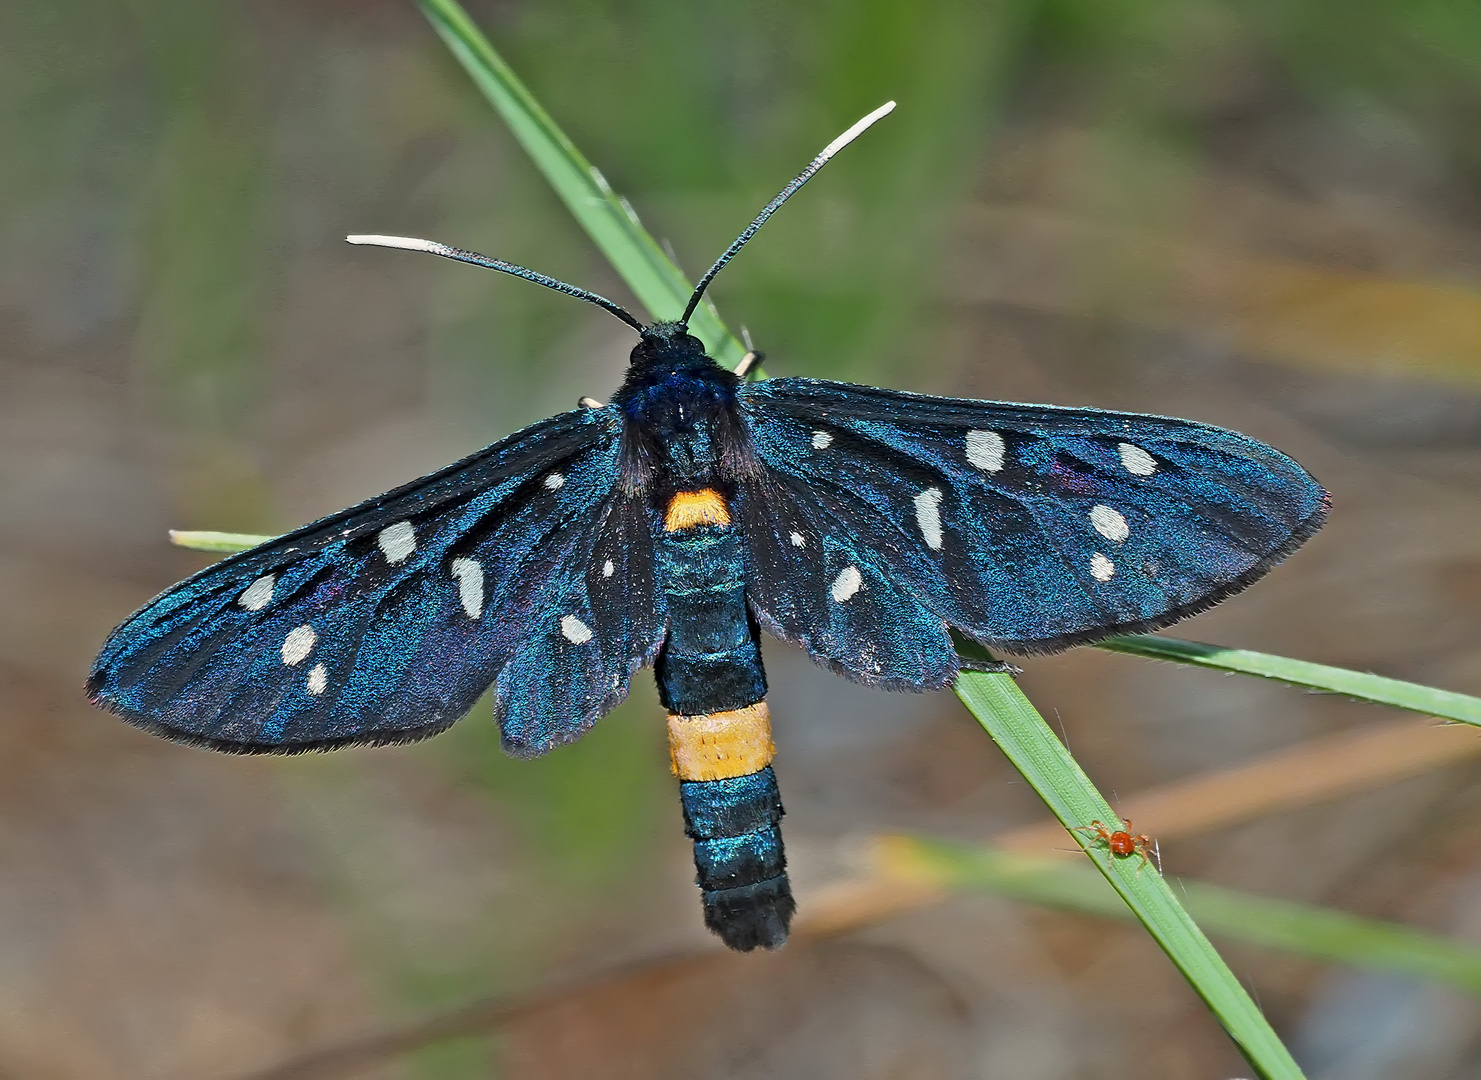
711	680
738	855
711	661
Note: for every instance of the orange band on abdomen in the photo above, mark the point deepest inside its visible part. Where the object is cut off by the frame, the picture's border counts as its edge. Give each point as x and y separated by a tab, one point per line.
721	745
690	508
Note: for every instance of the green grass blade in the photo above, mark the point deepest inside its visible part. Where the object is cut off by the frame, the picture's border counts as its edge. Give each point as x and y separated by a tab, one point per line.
1016	726
224	542
1354	684
1296	928
606	217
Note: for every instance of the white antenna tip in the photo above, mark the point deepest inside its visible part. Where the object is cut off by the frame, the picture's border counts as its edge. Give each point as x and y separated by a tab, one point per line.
406	243
854	132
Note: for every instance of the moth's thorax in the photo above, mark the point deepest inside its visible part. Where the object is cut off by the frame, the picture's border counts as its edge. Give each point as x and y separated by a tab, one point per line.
681	425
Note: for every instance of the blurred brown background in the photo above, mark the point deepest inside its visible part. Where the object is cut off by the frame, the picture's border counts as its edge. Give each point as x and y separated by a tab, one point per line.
1262	215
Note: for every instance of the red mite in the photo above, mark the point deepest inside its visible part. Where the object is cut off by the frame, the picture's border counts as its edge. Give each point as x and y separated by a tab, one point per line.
1122	843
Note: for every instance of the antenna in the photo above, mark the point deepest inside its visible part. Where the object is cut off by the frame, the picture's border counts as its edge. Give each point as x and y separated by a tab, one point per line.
409	243
786	193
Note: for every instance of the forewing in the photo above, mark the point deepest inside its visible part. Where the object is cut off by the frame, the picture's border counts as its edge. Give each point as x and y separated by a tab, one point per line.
1030	528
385	622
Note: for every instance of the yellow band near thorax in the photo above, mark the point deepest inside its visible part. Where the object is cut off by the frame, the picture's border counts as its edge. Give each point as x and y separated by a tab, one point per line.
688	509
721	745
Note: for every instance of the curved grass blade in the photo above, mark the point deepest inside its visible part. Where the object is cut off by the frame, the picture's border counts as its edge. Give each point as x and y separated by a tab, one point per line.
1018	729
606	216
1303	929
1363	686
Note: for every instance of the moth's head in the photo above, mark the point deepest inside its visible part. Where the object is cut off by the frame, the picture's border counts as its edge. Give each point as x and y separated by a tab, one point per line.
667	343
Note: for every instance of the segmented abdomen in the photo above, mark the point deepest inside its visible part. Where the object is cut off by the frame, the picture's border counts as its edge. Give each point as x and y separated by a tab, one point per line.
711	680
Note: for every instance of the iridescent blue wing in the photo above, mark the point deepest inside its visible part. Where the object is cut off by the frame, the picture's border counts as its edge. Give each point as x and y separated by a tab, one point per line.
881	518
522	565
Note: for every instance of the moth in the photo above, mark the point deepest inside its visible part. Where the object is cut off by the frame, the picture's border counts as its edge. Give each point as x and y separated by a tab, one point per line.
669	527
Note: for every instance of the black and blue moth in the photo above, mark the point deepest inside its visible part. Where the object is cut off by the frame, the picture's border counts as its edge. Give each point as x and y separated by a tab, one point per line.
672	525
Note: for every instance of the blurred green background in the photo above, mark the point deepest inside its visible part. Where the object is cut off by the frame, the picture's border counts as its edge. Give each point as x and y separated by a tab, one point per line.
1262	215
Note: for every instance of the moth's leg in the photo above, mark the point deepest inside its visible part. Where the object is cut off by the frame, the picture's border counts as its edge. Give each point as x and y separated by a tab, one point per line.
753	359
970	656
988	667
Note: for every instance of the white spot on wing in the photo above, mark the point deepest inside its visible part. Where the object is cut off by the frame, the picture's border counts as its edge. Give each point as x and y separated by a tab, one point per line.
318	679
298	644
1109	523
821	440
575	631
1101	568
554	482
985	449
397	541
798	540
1135	460
846	583
608	569
928	516
470	585
256	596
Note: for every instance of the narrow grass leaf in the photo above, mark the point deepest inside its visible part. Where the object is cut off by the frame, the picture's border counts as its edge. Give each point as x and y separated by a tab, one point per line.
607	218
1302	929
1016	726
224	542
1354	684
